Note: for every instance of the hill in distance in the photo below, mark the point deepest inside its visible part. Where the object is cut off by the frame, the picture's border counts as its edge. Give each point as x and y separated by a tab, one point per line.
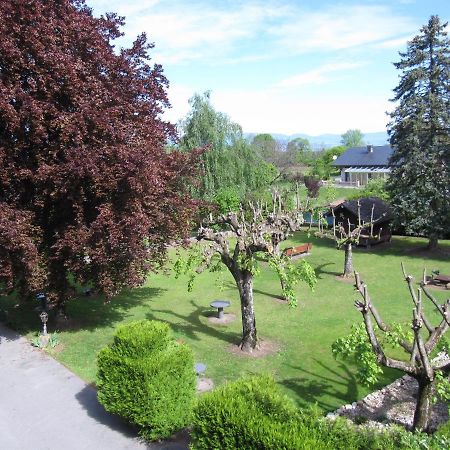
326	140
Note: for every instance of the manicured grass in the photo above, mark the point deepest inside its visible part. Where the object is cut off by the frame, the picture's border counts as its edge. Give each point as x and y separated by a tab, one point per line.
304	365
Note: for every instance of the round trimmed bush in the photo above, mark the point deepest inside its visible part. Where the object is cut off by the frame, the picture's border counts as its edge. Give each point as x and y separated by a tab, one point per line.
147	378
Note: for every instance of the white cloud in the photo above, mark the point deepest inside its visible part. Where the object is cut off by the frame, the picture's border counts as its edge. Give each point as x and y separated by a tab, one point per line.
189	31
398	43
340	27
318	75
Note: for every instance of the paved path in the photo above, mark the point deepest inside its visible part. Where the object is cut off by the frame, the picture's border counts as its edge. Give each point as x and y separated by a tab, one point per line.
44	406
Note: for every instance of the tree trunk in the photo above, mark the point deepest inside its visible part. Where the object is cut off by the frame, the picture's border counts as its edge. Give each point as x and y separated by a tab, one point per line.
422	414
348	264
432	243
245	284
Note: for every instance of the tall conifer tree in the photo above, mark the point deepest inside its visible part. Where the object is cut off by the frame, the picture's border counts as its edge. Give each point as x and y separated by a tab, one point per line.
420	134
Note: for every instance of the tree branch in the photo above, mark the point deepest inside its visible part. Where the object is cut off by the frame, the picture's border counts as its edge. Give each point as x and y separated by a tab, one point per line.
362	289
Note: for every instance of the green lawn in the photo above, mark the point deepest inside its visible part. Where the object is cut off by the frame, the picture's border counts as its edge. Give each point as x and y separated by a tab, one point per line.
304	365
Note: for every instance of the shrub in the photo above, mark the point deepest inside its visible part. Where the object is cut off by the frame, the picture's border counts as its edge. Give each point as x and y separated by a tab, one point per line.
147	378
374	188
250	413
313	185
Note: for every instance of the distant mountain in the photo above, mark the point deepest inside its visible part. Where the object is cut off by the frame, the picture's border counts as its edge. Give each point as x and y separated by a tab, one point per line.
326	140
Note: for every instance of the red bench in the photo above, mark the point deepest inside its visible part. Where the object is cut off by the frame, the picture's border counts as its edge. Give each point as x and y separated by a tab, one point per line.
303	249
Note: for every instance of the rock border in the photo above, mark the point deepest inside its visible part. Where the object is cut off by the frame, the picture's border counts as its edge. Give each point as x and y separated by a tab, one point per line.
393	404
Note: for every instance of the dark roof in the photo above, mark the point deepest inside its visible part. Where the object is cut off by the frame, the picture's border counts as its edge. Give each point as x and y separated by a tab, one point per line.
360	156
381	212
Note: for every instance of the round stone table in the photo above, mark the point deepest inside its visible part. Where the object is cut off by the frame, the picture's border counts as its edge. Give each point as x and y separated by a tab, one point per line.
220	305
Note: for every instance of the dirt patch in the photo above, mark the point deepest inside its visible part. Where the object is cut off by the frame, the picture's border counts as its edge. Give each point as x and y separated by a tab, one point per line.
227	318
350	280
263	348
204	385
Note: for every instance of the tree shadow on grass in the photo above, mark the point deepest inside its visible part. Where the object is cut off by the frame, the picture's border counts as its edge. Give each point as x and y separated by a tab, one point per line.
84	313
193	327
401	246
232	286
313	387
320	270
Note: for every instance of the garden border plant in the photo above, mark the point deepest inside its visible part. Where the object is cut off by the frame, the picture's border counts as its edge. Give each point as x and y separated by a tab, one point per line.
148	378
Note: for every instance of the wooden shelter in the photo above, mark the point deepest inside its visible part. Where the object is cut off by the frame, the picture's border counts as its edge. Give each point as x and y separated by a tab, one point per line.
370	210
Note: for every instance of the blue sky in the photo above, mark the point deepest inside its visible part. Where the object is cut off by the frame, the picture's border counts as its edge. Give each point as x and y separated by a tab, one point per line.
280	66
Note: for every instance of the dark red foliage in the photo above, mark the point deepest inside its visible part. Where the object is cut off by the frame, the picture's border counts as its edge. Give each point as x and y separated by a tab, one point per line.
86	186
313	186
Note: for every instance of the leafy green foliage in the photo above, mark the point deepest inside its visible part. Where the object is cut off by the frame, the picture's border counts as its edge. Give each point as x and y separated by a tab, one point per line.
227	199
229	162
442	387
291	274
147	378
194	261
52	340
322	166
374	188
252	413
249	264
444	433
352	138
419	133
299	151
356	346
266	147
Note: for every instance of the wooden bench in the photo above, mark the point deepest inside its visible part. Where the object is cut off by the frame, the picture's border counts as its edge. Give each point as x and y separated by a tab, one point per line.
303	249
437	279
443	280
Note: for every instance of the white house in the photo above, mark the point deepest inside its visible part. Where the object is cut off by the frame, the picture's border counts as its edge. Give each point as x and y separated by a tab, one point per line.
358	165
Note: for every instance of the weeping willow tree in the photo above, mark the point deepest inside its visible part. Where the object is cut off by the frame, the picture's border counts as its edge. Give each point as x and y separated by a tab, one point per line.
229	161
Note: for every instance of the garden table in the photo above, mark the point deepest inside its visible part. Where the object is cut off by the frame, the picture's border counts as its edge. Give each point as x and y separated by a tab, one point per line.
220	305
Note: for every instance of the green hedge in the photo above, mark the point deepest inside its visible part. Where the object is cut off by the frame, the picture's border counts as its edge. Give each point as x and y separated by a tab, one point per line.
147	378
248	414
252	413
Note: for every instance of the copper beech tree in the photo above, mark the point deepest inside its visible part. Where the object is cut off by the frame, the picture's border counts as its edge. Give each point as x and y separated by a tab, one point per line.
87	191
425	338
237	243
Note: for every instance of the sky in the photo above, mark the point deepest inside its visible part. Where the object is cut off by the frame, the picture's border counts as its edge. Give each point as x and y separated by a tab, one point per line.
278	66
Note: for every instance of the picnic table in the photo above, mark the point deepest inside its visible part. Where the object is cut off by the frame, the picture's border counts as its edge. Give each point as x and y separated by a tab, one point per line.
220	305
